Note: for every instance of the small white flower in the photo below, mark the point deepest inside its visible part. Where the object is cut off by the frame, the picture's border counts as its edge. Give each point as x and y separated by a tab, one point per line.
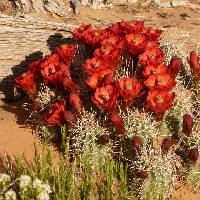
43	196
37	184
10	195
4	179
46	188
24	181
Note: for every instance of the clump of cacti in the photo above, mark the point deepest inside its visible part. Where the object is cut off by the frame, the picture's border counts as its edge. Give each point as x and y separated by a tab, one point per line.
119	94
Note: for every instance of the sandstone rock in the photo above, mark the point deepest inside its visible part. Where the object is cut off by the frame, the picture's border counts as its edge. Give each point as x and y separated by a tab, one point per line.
23	39
53	7
173	3
8	7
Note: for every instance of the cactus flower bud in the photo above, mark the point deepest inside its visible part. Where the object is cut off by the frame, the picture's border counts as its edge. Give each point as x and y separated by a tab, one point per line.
69	118
104	139
36	105
70	85
187	124
175	66
76	102
166	145
193	155
118	122
137	142
143	174
194	62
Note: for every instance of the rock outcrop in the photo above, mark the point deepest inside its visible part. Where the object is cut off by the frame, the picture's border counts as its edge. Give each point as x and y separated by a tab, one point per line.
53	7
63	7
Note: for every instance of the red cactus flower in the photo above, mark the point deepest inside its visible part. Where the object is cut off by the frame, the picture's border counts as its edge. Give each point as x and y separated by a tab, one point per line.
94	65
160	82
66	52
159	101
115	29
112	60
152	45
153	57
80	32
129	89
136	43
193	155
154	70
76	102
175	66
104	50
137	143
106	97
27	82
55	114
135	26
49	60
166	145
95	37
69	118
38	65
70	85
53	71
152	34
35	66
194	62
101	78
55	74
114	40
187	124
118	122
110	54
104	139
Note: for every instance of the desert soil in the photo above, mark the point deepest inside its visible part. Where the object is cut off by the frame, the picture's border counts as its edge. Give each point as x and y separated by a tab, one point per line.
16	137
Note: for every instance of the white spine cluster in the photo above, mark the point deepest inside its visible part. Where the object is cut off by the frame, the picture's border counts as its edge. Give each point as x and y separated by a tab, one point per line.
86	135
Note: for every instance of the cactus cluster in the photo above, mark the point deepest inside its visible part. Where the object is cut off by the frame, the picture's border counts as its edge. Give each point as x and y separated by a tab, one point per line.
119	94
